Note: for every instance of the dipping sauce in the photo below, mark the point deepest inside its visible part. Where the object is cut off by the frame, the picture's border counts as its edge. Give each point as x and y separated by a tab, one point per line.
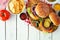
51	0
23	16
57	7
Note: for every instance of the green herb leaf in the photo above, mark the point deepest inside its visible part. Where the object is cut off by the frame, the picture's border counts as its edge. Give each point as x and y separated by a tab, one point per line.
40	19
28	10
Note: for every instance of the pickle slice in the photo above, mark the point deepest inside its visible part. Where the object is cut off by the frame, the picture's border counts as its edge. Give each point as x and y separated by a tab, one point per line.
47	23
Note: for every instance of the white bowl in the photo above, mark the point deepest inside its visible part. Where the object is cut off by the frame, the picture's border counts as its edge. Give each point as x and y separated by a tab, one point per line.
52	2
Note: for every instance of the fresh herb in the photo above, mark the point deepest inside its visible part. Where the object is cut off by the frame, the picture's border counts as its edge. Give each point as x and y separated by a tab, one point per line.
28	10
40	19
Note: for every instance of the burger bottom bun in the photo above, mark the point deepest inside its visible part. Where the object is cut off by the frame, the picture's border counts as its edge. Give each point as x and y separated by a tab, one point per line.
41	28
45	30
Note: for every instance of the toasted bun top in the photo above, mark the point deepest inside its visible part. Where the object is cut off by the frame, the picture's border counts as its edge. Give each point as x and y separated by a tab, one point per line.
54	18
42	9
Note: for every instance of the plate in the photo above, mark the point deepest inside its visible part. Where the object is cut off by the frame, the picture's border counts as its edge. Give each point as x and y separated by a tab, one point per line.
35	23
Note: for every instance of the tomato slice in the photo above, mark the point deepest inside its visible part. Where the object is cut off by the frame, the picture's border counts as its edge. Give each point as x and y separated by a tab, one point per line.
4	15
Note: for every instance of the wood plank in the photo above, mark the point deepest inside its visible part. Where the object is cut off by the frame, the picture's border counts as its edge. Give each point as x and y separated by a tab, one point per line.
45	36
11	28
56	34
22	29
2	30
33	33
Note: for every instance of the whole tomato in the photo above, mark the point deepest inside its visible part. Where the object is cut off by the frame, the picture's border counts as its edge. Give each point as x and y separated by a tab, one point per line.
4	15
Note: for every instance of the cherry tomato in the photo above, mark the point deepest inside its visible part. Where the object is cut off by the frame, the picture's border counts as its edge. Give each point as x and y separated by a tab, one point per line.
4	15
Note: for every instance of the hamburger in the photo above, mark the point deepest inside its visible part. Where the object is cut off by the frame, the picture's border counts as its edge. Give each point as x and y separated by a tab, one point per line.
50	24
43	17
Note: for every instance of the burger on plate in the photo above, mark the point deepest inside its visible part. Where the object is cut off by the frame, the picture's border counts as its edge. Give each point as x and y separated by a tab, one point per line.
43	17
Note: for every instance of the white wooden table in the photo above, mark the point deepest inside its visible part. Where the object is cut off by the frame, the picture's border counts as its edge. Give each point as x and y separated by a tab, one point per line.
16	29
